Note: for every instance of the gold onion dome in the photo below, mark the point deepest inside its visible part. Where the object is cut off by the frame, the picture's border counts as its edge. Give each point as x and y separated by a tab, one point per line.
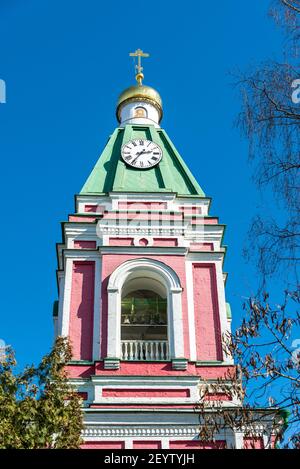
140	92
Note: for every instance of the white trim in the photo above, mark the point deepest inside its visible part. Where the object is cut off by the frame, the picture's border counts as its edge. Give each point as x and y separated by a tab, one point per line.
97	311
146	382
170	280
224	324
238	440
137	239
61	293
191	311
67	297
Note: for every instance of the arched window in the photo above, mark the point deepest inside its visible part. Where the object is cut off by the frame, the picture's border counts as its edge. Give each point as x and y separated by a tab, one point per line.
144	323
140	111
144	317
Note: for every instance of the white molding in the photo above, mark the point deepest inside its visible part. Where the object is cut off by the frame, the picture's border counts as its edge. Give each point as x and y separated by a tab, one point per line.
128	443
169	279
108	381
149	239
191	311
141	431
224	324
97	310
67	297
149	196
81	255
61	292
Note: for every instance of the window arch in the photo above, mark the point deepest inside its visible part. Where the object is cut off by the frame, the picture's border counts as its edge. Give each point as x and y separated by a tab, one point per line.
145	275
140	111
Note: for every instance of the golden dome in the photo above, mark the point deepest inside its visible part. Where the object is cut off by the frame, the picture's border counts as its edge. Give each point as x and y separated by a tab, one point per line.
140	93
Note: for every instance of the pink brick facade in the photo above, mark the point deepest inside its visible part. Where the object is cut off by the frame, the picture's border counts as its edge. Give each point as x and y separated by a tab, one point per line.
188	271
207	321
82	310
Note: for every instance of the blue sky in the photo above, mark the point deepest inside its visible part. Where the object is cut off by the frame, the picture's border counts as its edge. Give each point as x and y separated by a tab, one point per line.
64	64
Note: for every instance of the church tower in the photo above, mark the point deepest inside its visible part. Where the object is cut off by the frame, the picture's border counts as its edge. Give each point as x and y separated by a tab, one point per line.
142	290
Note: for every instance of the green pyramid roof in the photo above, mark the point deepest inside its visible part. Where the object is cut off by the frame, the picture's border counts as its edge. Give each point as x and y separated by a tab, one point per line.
112	174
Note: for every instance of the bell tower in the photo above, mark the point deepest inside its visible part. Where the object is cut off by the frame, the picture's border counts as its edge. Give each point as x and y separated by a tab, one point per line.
142	289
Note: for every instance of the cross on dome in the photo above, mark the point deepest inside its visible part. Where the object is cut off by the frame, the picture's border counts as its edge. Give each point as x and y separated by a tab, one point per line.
139	54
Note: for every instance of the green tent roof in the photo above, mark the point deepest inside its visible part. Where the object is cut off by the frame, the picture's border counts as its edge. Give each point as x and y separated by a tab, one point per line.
112	174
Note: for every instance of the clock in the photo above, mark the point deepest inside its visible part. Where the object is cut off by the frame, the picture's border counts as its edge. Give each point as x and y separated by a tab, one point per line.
141	154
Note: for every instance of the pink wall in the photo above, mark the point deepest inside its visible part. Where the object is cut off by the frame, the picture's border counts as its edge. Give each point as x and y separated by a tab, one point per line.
253	443
149	369
94	208
201	246
151	216
146	445
145	392
207	320
196	444
80	244
120	241
204	221
103	445
109	264
165	242
82	310
190	210
78	219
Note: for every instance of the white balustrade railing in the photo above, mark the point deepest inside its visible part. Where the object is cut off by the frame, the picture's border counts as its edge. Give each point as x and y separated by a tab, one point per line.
140	350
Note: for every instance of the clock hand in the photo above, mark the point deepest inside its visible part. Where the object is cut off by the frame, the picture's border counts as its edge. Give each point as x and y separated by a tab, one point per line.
138	154
143	152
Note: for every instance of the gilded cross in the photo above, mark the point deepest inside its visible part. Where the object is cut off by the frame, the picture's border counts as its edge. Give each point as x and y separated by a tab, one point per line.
139	54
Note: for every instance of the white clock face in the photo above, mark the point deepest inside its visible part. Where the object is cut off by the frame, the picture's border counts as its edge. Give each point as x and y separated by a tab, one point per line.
141	154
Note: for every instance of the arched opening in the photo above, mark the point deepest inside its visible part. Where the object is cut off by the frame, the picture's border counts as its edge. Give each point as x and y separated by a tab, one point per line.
144	320
144	313
144	316
140	111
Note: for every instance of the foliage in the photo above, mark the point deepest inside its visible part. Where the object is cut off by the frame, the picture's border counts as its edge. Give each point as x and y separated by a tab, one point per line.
268	358
38	407
265	346
270	120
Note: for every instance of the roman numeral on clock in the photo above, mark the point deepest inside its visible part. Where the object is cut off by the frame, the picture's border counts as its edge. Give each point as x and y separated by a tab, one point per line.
141	154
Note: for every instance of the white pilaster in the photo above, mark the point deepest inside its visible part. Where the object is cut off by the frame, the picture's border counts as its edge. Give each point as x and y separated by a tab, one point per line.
238	440
176	323
67	298
113	324
191	311
97	311
164	443
128	443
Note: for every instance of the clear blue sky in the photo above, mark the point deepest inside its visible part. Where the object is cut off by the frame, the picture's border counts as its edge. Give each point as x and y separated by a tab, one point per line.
64	63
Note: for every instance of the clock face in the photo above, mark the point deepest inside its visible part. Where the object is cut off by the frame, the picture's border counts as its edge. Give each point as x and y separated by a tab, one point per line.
141	154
